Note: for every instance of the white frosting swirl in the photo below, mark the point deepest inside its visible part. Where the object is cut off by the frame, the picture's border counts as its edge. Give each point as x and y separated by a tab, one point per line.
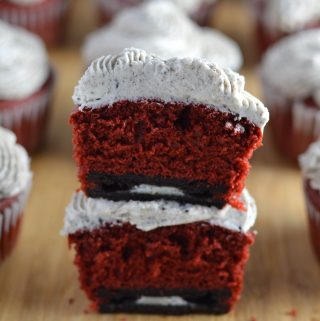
161	28
24	65
292	66
25	2
135	75
15	171
189	6
85	213
290	15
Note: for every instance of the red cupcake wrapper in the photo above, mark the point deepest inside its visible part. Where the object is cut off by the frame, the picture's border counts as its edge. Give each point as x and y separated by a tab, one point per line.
11	211
314	221
28	118
46	18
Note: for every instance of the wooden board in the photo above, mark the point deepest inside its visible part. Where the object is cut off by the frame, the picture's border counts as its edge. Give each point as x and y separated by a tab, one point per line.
39	280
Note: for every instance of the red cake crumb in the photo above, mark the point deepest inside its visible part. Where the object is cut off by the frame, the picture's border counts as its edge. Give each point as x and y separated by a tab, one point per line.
253	318
71	301
195	256
293	313
168	140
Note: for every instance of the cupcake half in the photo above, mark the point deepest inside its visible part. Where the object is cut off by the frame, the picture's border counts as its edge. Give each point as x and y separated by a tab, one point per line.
15	183
26	84
310	165
199	10
279	18
291	83
162	28
46	18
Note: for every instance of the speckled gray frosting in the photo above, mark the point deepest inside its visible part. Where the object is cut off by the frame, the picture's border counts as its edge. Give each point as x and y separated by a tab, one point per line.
135	75
161	28
85	213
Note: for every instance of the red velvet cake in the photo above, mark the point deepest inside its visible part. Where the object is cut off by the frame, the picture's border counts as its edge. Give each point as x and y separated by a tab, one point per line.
182	123
162	221
159	256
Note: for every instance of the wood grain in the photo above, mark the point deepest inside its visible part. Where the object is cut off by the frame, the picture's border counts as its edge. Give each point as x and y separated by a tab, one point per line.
38	280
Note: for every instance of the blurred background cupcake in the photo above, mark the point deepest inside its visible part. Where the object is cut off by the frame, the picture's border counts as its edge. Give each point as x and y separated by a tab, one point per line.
26	83
46	18
199	10
310	165
291	81
161	28
276	19
15	183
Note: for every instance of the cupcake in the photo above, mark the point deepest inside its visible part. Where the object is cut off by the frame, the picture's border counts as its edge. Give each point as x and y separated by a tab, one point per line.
291	83
279	18
26	83
15	183
162	28
162	221
310	165
199	10
46	18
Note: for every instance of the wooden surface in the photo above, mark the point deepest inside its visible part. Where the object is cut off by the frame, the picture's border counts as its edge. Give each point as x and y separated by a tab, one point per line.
39	282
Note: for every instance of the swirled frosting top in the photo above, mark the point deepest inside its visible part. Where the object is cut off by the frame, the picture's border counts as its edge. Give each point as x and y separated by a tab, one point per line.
85	213
161	28
135	75
292	66
189	6
291	15
15	171
310	165
24	65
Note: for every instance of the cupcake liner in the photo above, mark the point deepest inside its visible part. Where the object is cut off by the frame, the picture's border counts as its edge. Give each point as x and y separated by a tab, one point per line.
314	222
45	19
28	118
10	220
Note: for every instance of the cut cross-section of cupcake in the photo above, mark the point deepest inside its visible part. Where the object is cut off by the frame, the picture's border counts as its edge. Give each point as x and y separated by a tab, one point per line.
160	256
183	124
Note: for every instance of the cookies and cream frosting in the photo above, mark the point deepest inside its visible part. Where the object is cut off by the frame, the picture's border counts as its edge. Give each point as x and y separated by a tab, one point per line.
24	65
15	173
290	15
292	66
161	28
135	75
310	165
85	213
189	6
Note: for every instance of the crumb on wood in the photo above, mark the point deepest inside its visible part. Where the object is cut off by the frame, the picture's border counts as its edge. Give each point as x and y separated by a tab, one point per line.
71	301
253	318
292	313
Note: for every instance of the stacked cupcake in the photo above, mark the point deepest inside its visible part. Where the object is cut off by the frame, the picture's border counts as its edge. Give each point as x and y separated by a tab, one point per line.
162	221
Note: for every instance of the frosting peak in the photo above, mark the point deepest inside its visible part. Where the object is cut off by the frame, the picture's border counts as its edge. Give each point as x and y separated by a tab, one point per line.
15	171
136	75
24	65
292	66
162	28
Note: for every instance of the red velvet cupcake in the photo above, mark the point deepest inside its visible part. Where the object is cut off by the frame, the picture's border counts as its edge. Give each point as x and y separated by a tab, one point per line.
159	256
290	75
310	165
279	18
15	182
200	10
46	18
26	85
161	224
